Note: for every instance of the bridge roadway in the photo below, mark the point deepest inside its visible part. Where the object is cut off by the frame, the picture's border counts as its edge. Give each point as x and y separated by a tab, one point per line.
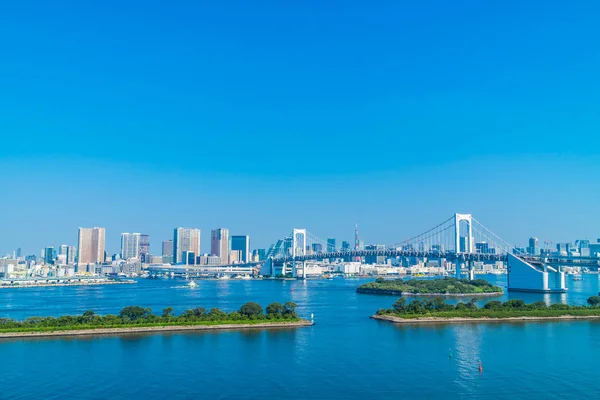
245	268
448	255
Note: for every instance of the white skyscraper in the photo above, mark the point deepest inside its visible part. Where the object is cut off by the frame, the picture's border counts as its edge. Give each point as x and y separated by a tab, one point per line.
130	245
185	240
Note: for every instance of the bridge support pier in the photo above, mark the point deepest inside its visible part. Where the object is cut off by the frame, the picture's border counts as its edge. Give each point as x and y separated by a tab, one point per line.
471	271
457	271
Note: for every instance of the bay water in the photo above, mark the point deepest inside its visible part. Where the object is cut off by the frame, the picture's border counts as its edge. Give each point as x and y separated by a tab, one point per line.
344	355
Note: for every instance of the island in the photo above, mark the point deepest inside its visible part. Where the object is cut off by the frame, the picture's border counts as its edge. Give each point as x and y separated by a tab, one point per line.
438	311
135	319
433	287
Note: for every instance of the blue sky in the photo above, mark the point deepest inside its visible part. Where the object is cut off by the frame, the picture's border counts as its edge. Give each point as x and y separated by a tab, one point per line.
267	115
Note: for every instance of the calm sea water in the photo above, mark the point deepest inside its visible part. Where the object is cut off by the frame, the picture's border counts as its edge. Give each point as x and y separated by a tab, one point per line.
345	355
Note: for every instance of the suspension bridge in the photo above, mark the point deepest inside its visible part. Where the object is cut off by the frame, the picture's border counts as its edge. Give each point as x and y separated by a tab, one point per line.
461	240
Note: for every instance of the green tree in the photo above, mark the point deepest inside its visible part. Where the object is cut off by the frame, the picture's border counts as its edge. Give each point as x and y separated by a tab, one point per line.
167	312
251	310
289	310
594	301
380	280
275	310
493	305
134	313
514	303
400	305
217	315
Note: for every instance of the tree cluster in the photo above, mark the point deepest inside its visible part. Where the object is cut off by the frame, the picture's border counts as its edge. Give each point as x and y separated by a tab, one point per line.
437	305
135	315
446	285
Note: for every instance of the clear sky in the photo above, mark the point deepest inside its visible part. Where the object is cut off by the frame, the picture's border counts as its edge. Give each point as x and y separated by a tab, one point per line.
261	116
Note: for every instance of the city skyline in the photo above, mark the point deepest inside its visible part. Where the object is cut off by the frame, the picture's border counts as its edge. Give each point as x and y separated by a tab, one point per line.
137	245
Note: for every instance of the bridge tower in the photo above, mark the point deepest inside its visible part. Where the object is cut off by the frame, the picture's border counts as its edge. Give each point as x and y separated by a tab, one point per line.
458	218
298	249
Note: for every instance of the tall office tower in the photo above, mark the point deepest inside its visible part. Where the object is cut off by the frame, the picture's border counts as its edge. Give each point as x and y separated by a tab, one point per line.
167	251
19	253
185	240
63	250
145	248
317	248
262	254
167	248
534	246
331	245
71	252
241	243
49	255
91	245
130	245
219	244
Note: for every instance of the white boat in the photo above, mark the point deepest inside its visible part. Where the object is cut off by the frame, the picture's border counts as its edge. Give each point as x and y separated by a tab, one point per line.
192	284
246	277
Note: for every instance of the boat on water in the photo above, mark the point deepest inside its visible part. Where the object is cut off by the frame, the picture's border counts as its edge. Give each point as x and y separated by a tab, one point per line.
192	284
577	277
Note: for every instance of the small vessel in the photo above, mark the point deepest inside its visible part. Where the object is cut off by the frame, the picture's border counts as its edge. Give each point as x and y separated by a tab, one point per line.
192	284
577	277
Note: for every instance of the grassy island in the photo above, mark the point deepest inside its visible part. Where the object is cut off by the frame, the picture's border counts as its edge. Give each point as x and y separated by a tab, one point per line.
437	310
139	319
433	287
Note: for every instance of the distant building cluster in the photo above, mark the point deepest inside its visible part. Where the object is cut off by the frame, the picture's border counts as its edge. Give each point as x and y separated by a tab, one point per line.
89	257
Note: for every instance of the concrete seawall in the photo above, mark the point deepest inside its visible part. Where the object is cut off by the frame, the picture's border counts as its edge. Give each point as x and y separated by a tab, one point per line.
156	329
459	320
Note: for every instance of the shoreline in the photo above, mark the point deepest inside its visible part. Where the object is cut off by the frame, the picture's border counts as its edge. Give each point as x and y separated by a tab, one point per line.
155	329
65	284
400	293
459	320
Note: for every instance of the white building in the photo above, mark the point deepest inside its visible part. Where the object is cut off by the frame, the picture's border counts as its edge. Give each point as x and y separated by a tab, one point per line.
130	245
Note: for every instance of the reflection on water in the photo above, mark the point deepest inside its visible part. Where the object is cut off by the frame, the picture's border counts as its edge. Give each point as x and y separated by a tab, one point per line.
345	355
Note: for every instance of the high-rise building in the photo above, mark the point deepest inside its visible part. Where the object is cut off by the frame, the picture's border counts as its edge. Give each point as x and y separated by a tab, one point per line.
463	243
185	240
317	248
561	248
144	248
262	254
241	243
482	248
346	245
331	247
49	255
375	259
534	246
63	250
19	253
219	244
71	254
130	245
91	245
167	248
235	256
